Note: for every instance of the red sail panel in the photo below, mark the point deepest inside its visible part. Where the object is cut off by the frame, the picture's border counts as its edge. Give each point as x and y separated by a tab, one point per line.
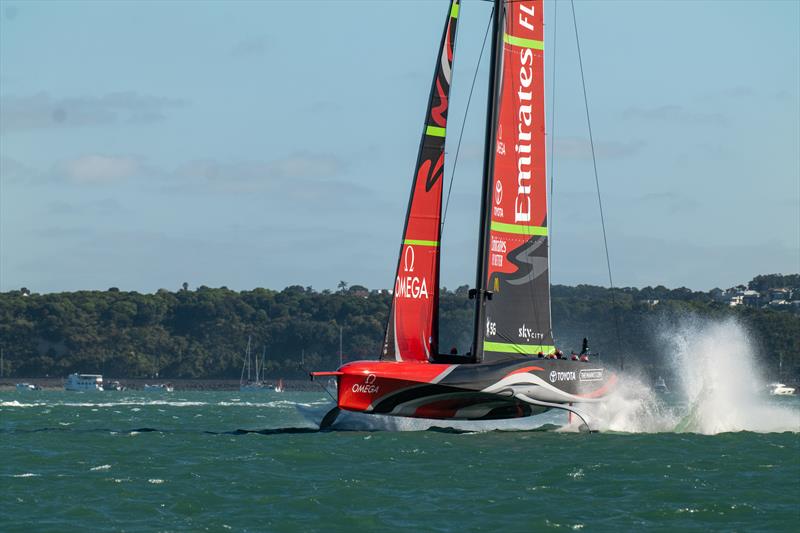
412	329
517	318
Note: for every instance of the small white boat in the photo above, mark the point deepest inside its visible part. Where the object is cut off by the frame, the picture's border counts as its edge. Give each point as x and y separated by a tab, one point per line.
27	387
660	386
279	386
159	387
779	389
255	386
255	380
114	386
84	382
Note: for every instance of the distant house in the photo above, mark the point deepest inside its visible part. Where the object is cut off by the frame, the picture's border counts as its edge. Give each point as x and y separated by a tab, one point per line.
779	303
735	299
779	294
717	294
751	298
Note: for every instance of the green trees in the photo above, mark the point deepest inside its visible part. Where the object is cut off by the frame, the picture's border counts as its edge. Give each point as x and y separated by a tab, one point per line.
203	332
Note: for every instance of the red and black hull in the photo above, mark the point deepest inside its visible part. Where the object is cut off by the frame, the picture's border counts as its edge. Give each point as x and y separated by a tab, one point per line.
483	391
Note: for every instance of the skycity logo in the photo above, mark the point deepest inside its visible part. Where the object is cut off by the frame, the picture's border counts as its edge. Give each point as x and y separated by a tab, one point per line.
528	333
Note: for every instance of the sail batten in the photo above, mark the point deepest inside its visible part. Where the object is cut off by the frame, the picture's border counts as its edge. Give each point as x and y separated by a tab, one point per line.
412	328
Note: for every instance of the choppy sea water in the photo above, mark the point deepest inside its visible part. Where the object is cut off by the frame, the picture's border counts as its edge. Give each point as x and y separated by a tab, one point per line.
120	461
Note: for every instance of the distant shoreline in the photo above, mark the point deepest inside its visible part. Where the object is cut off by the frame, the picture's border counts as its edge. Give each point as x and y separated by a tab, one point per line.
292	385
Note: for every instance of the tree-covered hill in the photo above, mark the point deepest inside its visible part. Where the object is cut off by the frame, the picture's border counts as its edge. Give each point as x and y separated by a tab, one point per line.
203	333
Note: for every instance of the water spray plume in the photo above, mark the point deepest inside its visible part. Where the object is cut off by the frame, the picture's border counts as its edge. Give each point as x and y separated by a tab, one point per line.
717	384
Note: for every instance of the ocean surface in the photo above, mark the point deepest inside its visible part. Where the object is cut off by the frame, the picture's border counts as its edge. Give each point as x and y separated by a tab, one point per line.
231	461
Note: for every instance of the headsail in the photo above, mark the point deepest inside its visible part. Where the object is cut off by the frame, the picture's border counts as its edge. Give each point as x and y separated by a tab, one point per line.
516	320
412	330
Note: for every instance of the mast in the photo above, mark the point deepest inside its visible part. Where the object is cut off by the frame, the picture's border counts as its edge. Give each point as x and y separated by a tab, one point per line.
479	292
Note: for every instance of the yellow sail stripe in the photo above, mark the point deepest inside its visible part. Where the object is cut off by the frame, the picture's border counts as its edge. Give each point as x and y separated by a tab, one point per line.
419	242
520	229
527	349
522	42
434	131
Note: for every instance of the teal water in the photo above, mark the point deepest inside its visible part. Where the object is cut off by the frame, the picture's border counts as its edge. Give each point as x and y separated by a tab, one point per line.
120	461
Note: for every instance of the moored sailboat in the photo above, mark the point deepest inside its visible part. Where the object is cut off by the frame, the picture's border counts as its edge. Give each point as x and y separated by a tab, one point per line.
254	381
513	368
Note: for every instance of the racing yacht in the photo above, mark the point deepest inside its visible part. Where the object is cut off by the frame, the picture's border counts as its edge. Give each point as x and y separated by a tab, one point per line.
513	368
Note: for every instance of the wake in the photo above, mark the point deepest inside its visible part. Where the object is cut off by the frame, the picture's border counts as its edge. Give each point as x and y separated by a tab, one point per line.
717	388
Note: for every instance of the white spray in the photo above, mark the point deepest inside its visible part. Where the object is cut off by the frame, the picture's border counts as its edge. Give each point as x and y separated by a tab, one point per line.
717	387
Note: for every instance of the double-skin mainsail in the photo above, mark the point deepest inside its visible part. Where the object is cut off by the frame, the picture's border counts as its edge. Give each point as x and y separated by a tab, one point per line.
513	296
513	309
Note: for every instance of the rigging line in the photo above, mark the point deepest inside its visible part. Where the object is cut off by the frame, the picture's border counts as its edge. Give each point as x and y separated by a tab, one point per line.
597	185
552	156
463	123
552	127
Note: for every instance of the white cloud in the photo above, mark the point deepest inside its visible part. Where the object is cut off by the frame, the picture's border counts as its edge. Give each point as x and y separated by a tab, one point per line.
674	113
248	176
13	171
43	111
576	148
254	46
99	169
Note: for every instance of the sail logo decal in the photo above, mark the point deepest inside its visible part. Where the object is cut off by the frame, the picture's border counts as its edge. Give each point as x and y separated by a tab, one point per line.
562	376
522	203
408	285
368	387
408	259
497	209
529	334
591	374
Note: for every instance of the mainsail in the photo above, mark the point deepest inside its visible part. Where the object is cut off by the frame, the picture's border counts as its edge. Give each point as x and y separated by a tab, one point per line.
412	329
515	287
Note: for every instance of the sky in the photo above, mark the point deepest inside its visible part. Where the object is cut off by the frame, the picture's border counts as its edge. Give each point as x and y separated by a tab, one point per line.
271	143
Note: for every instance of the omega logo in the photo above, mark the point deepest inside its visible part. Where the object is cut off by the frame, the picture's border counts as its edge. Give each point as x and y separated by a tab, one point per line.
368	387
409	259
